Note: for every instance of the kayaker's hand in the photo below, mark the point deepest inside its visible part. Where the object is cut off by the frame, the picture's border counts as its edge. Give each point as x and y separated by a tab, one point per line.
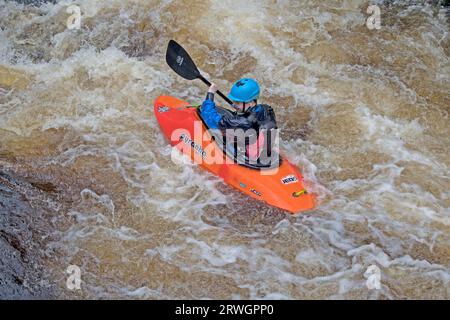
213	88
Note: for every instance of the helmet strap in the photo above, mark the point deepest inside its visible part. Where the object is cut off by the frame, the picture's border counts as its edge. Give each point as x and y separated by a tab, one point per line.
243	105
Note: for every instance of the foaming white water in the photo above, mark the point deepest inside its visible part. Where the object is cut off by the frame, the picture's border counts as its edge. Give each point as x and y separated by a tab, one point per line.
309	170
144	227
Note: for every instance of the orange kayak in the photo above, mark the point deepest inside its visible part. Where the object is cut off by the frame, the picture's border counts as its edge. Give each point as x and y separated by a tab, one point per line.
281	187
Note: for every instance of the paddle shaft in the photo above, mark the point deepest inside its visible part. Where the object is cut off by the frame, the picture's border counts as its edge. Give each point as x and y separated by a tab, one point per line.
218	91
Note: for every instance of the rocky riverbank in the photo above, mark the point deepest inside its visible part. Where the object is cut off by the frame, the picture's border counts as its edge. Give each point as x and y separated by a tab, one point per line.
22	274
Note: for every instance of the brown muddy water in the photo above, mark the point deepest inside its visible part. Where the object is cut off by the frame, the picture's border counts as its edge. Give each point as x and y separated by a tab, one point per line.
86	177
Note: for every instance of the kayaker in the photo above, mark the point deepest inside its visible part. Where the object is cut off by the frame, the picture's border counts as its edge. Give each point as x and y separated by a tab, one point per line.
249	114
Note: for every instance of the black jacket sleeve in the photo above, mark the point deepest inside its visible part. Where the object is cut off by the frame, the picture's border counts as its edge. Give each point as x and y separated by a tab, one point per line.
267	119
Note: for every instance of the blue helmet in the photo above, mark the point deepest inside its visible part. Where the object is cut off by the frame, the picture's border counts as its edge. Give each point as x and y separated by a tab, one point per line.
244	90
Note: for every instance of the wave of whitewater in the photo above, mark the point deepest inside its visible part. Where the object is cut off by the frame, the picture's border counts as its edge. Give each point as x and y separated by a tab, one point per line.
86	177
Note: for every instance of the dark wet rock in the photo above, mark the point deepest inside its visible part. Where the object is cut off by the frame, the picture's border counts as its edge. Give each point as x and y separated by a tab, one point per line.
21	262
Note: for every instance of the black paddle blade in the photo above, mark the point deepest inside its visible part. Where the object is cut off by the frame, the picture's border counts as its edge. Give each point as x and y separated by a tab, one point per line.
179	60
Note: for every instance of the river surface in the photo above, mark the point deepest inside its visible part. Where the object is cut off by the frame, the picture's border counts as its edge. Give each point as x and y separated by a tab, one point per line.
86	176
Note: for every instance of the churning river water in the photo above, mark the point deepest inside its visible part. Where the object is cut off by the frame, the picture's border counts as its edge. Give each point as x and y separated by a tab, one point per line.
86	176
